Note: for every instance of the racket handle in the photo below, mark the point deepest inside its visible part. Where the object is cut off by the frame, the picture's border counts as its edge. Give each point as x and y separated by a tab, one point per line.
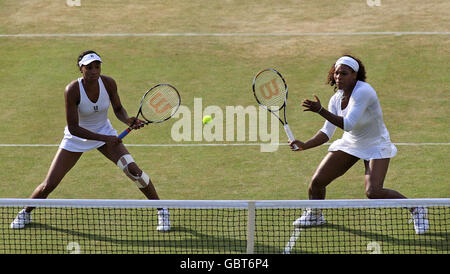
290	135
124	133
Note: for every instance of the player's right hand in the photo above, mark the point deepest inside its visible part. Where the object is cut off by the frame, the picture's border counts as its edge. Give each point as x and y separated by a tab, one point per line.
297	143
112	140
135	123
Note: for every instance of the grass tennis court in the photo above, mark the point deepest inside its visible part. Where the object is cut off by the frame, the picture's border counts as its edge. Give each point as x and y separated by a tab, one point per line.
212	228
409	73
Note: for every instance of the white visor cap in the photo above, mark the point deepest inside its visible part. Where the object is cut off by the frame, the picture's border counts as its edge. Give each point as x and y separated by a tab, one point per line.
89	58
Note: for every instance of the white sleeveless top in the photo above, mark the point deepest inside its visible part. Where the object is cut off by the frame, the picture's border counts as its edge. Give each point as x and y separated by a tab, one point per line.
92	116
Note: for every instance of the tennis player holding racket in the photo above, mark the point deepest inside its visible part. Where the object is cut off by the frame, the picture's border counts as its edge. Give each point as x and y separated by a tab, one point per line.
87	101
355	108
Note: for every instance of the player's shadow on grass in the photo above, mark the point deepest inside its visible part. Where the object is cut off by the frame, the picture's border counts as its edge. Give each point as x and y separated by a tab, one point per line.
435	240
187	240
179	239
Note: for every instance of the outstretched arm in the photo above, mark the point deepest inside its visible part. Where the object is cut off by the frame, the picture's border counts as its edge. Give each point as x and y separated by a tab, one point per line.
317	140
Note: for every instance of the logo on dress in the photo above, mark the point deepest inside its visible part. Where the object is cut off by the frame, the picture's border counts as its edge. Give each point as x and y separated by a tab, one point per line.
95	108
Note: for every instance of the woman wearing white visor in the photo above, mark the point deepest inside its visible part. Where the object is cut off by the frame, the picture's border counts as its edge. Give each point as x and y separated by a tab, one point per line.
355	108
87	101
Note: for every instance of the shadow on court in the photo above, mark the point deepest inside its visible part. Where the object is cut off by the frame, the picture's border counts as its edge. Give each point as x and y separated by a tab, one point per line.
326	239
178	240
403	240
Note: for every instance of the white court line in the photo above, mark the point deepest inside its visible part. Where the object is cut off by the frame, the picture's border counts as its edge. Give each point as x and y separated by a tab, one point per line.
291	243
235	34
211	145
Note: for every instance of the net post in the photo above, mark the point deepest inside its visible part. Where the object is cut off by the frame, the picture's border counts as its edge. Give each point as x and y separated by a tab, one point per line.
251	227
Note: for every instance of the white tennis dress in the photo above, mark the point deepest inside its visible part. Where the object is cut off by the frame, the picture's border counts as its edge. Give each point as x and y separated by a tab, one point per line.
91	116
365	134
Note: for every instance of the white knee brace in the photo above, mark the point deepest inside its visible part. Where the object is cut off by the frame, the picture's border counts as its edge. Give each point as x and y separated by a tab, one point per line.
141	181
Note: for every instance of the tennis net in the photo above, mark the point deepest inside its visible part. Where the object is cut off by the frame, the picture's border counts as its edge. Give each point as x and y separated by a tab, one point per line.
62	226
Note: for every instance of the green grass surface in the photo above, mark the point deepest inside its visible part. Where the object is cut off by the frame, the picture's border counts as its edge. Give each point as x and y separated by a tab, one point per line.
408	72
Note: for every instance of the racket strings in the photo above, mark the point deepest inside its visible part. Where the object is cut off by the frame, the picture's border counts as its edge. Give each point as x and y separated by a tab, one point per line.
160	103
270	90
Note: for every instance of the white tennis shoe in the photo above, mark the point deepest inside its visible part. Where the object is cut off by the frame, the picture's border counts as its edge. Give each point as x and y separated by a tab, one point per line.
23	218
310	217
419	217
163	220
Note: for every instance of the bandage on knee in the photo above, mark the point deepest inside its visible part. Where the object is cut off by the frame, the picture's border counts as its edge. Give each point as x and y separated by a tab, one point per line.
142	180
124	161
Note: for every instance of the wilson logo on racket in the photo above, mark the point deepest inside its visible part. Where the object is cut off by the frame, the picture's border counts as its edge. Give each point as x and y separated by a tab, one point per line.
270	93
157	105
274	100
161	105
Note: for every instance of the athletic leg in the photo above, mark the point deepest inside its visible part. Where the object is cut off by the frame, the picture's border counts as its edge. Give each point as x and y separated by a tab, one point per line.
63	161
115	153
334	165
120	156
375	174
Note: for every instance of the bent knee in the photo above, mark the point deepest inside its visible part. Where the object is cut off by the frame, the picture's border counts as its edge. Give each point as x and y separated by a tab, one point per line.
318	181
134	169
127	164
373	193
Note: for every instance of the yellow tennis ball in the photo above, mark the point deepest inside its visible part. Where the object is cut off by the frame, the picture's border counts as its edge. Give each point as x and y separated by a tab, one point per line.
206	119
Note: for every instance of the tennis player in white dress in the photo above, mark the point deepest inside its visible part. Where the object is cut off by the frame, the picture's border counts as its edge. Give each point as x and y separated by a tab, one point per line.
87	102
355	108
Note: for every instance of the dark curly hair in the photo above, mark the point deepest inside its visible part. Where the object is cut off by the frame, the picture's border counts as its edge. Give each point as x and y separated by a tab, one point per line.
361	73
85	53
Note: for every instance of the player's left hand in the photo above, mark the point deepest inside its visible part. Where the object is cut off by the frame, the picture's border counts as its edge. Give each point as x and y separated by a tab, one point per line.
314	106
135	123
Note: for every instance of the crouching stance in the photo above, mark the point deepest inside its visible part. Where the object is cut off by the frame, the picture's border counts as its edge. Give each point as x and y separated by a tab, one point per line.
356	110
87	101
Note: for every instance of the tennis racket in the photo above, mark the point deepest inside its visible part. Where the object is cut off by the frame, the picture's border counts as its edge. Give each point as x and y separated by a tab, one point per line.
271	92
157	105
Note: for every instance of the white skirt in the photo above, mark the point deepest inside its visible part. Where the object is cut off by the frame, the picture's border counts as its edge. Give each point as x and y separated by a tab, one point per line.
380	151
77	144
